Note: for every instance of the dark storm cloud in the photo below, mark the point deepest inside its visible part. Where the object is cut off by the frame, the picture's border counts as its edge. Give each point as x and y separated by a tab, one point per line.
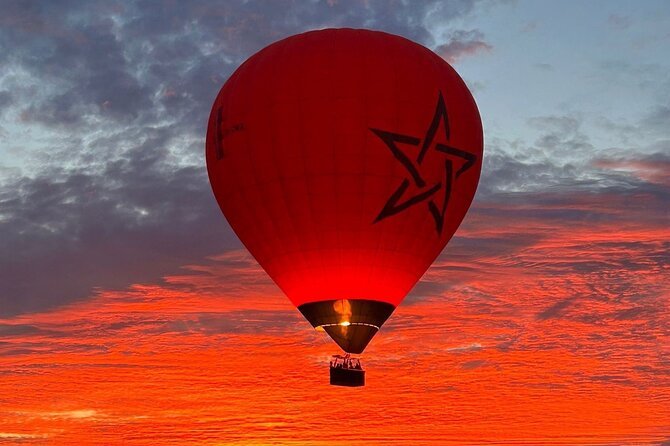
119	193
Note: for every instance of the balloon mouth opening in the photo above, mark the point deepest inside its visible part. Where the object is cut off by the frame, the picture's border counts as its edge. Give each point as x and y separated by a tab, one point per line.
345	324
351	323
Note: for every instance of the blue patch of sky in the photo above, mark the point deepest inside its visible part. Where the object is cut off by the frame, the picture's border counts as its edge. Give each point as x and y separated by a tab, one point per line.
600	62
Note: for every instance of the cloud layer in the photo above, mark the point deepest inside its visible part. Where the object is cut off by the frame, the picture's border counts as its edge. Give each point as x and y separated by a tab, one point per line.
110	187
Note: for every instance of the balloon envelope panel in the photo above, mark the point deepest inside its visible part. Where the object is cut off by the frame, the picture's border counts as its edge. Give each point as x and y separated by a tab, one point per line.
344	160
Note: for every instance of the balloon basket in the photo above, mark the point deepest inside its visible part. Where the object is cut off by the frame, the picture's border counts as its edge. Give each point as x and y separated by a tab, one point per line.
346	371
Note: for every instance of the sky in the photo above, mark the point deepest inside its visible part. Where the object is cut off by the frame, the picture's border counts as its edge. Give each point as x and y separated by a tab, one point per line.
130	313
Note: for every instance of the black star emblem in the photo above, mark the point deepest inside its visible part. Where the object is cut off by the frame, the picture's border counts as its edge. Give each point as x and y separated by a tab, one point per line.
425	192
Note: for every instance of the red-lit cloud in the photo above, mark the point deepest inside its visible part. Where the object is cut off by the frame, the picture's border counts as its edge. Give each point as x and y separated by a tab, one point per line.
543	322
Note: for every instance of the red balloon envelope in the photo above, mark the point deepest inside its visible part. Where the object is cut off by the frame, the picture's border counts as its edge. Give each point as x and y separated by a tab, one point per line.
345	160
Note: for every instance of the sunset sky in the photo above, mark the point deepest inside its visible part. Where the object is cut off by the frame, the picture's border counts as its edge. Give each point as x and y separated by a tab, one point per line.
130	313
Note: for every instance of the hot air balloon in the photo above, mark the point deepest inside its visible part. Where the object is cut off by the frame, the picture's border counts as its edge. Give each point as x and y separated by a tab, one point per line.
345	160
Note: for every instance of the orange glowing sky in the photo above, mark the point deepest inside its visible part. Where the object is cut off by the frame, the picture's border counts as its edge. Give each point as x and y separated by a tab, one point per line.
559	336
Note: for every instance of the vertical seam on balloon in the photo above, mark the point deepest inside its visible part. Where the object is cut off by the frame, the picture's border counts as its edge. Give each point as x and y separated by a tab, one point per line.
294	238
304	244
335	246
365	156
296	83
375	254
401	230
273	229
303	239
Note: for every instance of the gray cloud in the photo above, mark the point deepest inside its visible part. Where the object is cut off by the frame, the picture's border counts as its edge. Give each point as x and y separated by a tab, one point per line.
461	44
658	119
133	219
563	159
6	100
116	191
128	62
